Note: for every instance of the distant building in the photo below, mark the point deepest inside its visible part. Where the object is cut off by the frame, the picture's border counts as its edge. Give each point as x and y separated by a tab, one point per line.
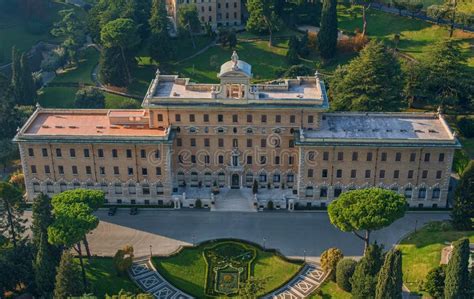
189	137
214	12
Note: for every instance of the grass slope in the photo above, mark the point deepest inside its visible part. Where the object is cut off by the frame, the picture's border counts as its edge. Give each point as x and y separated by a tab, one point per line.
330	290
82	73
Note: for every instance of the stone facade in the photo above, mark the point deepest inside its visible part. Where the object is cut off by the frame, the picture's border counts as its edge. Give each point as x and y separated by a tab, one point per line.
232	134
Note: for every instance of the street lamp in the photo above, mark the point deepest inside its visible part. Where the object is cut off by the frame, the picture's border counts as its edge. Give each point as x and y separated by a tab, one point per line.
304	253
151	253
193	240
264	240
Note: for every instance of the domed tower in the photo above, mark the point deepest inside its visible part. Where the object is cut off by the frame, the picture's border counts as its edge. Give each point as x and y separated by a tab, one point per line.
235	78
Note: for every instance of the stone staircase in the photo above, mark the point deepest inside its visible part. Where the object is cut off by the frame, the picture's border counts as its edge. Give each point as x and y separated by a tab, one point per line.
302	285
233	200
150	281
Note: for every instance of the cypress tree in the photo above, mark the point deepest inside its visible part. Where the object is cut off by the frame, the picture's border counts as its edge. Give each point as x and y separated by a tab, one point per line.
68	280
159	44
327	36
389	285
42	218
29	89
457	272
292	54
364	279
111	72
463	208
434	284
17	82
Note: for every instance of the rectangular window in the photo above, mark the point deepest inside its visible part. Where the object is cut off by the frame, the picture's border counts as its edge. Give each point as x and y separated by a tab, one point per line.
31	152
192	118
205	118
207	142
310	173
193	158
72	153
339	173
264	118
100	153
369	157
144	171
249	118
74	169
384	157
291	160
129	153
367	174
277	160
130	170
142	154
249	142
438	174
220	118
340	156
441	157
263	160
102	170
177	117
44	151
323	192
427	157
410	174
263	142
278	118
86	153
160	117
220	142
158	170
398	157
310	119
249	160
179	142
382	174
88	170
47	169
193	142
235	142
424	174
33	168
292	119
114	153
412	157
58	152
60	169
324	173
396	174
235	118
207	159
326	156
355	156
353	173
221	159
116	170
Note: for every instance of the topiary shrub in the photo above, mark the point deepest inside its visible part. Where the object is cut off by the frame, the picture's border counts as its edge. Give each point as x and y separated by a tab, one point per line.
344	270
329	260
123	260
198	203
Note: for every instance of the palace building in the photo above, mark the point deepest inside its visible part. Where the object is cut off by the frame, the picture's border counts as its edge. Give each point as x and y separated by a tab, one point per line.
191	139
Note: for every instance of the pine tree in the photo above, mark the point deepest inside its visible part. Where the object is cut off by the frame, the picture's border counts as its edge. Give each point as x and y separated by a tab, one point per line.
389	285
327	36
457	272
12	223
159	44
42	218
17	76
68	279
29	93
370	82
364	279
463	209
111	72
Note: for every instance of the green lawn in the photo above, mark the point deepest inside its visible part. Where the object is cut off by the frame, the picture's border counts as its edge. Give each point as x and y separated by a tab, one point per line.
82	73
462	5
103	279
187	270
113	101
330	290
422	251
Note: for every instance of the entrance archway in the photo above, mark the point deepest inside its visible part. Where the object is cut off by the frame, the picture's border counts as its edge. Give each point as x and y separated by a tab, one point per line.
235	181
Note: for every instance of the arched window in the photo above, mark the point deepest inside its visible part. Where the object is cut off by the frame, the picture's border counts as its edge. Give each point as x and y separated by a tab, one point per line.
262	178
76	185
194	178
408	193
290	179
309	192
422	193
207	179
276	178
49	187
62	187
181	181
337	192
436	193
104	187
132	188
249	179
118	188
159	189
36	187
221	179
146	189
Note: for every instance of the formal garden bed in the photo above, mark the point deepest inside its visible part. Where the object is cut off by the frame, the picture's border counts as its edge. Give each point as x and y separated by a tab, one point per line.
219	268
422	251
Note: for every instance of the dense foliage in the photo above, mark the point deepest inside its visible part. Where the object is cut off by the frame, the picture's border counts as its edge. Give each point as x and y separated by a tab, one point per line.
364	279
329	260
434	284
344	270
463	209
390	281
457	272
327	36
68	280
89	98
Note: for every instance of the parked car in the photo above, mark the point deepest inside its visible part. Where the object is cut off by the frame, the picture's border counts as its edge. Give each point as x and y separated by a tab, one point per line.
133	211
112	211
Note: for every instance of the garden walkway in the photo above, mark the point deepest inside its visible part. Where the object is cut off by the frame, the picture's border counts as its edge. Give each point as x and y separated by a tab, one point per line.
302	285
150	281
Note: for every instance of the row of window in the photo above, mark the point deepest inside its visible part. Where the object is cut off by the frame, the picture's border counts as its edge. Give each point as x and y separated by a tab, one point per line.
408	192
100	153
206	159
368	174
206	142
117	188
235	118
383	156
88	170
262	178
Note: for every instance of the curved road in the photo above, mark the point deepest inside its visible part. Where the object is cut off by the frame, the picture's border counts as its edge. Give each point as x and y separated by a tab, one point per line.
294	234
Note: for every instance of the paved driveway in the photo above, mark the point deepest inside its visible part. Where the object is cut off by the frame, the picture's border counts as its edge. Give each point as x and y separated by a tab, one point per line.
292	233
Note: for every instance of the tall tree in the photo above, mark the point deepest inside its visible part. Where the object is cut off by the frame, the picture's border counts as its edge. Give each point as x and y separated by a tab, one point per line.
111	72
390	282
71	28
188	18
121	34
89	98
12	223
434	284
29	88
17	82
366	209
47	255
68	281
8	115
159	44
463	209
292	54
327	35
364	279
457	272
16	269
371	82
263	18
365	7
